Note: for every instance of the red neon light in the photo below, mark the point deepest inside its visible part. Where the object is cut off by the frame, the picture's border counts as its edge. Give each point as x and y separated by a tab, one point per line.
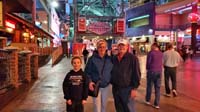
10	24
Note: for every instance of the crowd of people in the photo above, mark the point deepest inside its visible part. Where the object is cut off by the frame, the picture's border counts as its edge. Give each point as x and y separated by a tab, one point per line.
122	71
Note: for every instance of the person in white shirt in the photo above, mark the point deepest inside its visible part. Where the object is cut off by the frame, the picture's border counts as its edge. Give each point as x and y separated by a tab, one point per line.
171	60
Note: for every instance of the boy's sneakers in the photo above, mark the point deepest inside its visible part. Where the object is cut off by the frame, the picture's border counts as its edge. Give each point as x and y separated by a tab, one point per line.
156	106
174	93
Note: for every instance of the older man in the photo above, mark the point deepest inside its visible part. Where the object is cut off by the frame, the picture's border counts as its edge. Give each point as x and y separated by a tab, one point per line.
125	78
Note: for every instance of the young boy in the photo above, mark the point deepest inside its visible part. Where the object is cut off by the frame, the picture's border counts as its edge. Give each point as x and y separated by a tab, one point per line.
75	87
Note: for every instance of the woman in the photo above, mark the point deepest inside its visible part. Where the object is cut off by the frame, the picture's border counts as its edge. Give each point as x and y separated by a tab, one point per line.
99	67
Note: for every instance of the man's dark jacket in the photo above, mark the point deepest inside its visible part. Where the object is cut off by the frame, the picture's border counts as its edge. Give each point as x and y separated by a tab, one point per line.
126	73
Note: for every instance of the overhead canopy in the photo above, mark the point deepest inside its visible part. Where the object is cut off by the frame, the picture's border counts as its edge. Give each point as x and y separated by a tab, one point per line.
100	7
174	6
19	6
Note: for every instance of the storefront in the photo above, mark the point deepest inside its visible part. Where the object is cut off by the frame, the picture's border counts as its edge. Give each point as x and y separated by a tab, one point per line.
140	22
187	39
141	44
163	38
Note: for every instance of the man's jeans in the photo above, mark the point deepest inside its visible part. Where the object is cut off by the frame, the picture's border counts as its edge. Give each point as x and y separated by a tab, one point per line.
100	101
123	101
153	78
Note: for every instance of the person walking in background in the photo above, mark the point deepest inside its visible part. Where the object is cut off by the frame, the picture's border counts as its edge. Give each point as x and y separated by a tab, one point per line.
154	73
191	53
99	67
125	78
171	59
85	55
184	54
134	51
75	87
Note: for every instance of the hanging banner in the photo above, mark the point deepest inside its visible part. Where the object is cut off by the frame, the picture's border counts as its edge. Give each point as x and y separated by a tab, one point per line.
77	49
99	27
120	27
81	24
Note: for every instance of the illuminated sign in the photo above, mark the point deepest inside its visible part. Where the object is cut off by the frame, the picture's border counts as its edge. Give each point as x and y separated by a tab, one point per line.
81	24
55	23
1	14
10	24
99	27
120	25
138	18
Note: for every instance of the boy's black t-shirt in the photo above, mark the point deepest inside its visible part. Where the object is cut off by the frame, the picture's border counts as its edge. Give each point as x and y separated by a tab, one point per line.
75	85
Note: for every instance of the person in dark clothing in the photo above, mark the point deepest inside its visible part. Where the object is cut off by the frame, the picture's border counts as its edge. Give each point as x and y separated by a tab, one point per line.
184	54
75	87
85	55
38	42
154	72
134	51
125	78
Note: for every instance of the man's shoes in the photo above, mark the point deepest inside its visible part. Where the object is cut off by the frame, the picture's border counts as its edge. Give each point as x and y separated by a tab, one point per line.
147	103
174	93
167	95
156	106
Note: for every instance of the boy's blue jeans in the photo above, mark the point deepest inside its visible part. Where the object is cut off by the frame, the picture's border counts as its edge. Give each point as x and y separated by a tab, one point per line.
153	78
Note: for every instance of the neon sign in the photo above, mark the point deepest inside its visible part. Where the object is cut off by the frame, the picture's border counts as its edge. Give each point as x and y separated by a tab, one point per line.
99	27
10	24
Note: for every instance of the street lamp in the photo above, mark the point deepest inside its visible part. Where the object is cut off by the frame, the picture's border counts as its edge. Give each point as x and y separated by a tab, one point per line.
193	17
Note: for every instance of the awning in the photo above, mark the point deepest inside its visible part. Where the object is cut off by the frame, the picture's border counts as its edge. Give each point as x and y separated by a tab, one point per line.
29	24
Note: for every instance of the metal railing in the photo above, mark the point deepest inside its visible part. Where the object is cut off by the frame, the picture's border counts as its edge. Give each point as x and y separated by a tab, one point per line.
56	54
45	51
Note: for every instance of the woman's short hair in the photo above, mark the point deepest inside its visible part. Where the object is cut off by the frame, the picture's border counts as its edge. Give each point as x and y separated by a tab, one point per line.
101	41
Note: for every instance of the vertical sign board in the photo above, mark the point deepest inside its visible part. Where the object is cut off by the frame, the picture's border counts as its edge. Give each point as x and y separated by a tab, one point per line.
81	24
120	26
77	49
1	13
